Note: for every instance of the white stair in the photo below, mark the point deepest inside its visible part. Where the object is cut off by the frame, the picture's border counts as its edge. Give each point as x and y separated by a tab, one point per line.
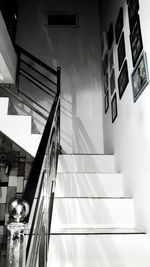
18	128
93	220
89	185
126	250
86	163
93	212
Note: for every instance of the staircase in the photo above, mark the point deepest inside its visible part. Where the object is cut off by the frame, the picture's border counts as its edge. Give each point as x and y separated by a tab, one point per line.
93	220
18	128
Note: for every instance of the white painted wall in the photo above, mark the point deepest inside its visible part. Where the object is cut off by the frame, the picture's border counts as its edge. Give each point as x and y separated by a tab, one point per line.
7	55
77	51
129	136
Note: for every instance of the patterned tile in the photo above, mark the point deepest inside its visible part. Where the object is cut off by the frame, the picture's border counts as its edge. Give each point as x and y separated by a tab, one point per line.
22	153
14	172
24	184
7	142
22	159
19	195
20	184
3	176
11	193
2	212
6	218
3	184
3	194
21	169
27	169
29	158
15	147
12	181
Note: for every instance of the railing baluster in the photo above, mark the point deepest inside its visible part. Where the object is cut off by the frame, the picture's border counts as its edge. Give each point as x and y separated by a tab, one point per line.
39	194
17	72
58	79
26	228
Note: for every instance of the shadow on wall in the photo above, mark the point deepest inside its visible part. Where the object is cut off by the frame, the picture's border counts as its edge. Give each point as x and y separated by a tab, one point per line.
77	51
82	141
74	135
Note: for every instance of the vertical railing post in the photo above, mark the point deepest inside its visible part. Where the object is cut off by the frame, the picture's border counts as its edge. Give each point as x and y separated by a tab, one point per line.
18	71
58	92
58	79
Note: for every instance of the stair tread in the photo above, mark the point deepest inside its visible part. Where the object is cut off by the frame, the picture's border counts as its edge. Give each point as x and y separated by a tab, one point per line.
95	197
96	231
117	250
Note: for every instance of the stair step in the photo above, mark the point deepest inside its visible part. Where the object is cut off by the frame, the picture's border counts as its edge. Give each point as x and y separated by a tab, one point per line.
95	231
21	124
89	185
93	213
4	106
124	250
18	129
30	143
86	163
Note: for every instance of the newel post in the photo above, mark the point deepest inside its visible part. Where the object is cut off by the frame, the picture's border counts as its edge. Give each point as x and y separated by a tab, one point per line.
18	210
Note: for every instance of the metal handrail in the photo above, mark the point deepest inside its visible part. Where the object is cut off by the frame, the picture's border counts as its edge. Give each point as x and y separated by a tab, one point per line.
29	230
33	80
36	82
44	76
35	182
39	80
38	61
30	189
23	101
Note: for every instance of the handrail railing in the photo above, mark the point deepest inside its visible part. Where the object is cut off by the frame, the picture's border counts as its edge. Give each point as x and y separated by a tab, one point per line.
41	81
23	51
37	164
33	75
30	219
39	195
23	101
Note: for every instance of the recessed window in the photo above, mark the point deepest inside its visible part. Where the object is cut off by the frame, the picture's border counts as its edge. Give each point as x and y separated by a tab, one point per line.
62	19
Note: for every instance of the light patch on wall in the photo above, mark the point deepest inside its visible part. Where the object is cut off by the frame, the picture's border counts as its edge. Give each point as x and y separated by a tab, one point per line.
5	76
62	19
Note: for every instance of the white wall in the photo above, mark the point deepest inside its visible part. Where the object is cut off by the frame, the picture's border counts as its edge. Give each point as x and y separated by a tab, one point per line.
77	51
7	55
129	136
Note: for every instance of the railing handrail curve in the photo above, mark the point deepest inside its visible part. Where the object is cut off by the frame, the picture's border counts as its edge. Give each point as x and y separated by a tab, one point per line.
30	189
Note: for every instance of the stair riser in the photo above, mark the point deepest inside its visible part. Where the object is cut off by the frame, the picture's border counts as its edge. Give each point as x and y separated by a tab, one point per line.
16	123
4	106
86	163
18	128
89	185
81	212
99	250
